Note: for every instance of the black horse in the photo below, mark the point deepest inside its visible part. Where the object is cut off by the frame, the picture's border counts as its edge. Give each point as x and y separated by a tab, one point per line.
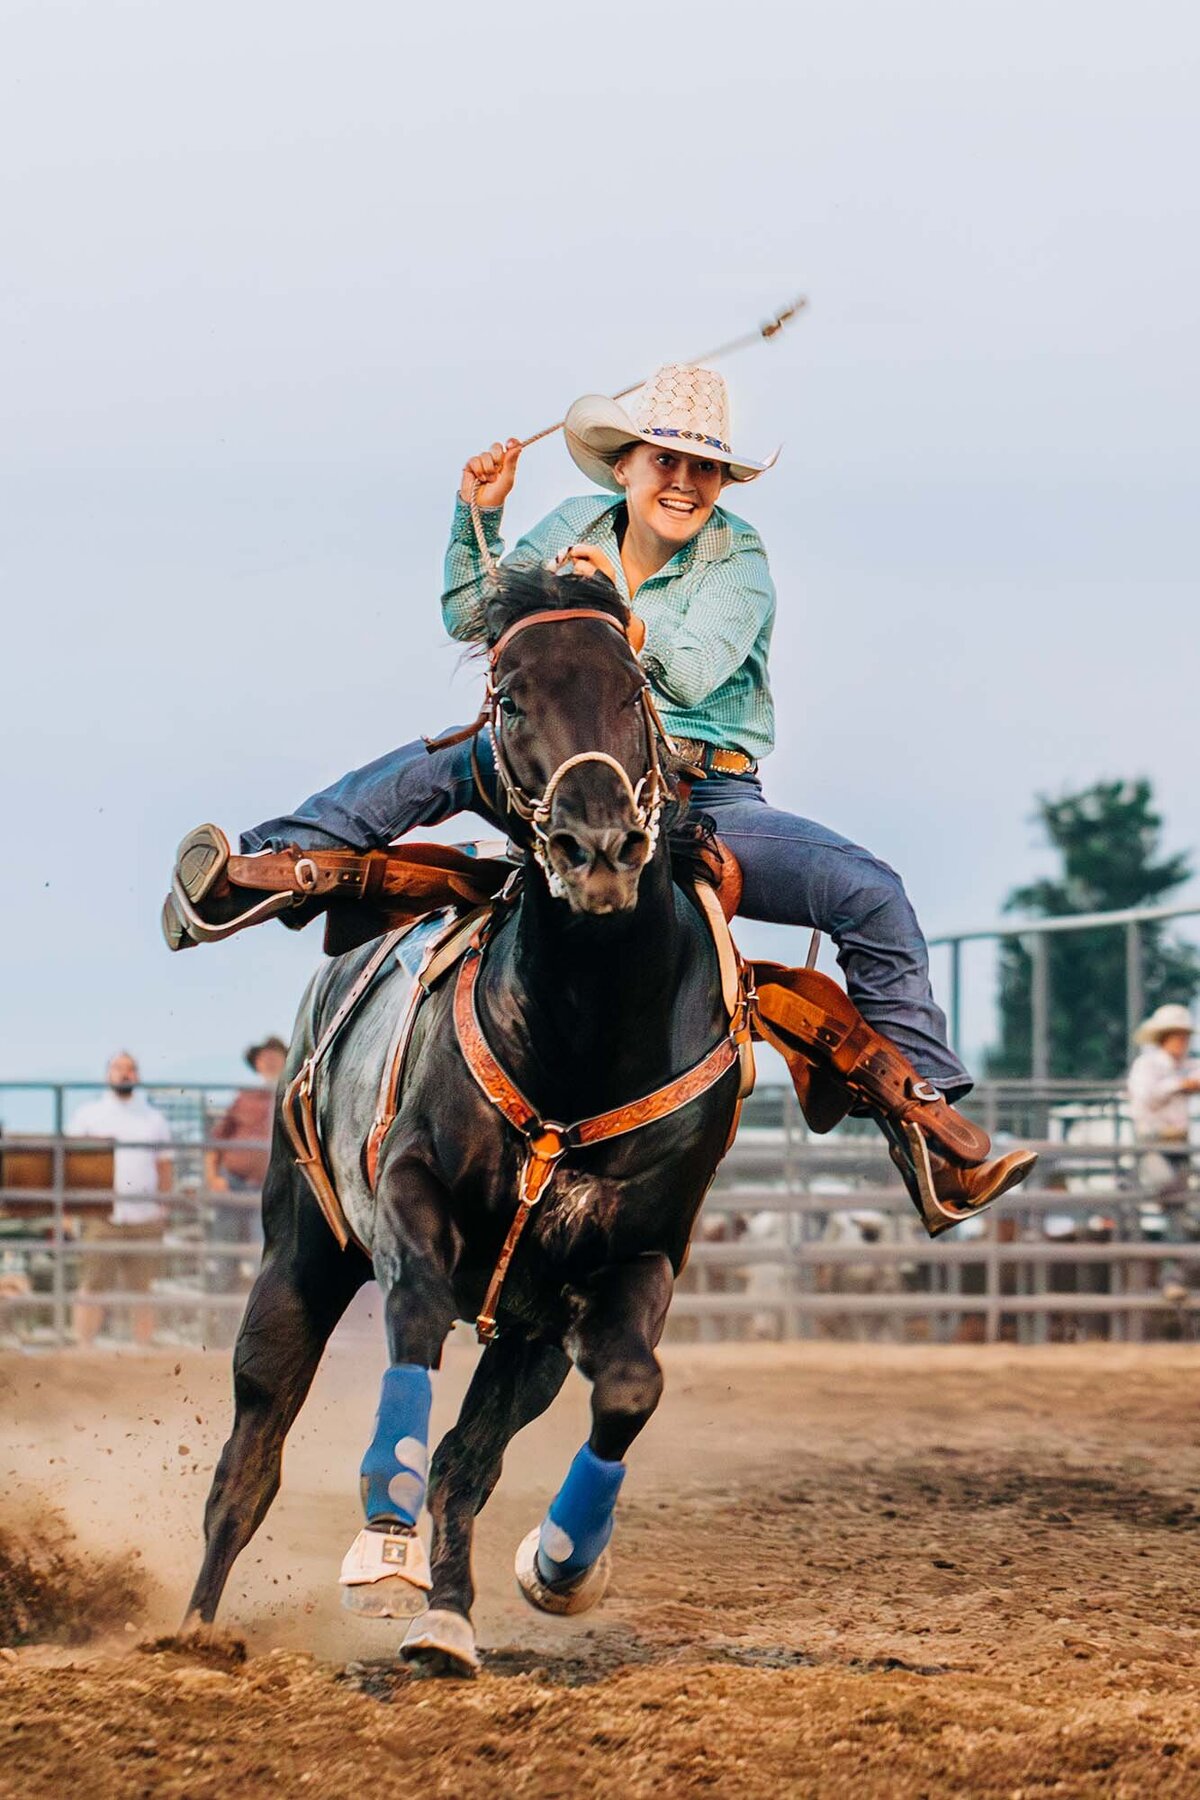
598	987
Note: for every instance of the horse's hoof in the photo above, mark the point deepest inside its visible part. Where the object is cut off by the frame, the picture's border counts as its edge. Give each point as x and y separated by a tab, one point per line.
385	1575
574	1596
392	1598
442	1643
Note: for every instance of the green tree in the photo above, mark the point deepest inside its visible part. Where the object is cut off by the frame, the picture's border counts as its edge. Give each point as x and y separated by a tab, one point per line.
1108	837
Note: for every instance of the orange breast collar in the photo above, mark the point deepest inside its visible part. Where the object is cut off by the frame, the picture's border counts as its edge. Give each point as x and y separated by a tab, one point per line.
547	1142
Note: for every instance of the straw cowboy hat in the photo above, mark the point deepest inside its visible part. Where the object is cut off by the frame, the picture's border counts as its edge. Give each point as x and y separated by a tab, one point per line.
681	407
1167	1018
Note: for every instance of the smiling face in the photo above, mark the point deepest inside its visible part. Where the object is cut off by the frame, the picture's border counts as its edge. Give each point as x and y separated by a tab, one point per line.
670	496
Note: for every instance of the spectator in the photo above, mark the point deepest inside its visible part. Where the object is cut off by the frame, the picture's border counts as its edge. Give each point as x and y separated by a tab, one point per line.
246	1127
141	1170
1161	1081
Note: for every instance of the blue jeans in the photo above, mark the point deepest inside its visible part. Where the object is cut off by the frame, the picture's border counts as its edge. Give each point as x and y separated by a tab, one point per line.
795	873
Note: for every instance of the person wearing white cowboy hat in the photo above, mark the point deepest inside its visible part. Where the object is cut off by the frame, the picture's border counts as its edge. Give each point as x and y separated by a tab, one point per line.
1161	1081
681	408
1170	1021
696	579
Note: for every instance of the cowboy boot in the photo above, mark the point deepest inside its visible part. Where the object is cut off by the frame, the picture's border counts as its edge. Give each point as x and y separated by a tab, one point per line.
827	1045
363	893
204	906
944	1192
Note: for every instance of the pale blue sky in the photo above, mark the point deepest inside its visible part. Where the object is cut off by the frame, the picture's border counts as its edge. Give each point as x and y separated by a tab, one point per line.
269	272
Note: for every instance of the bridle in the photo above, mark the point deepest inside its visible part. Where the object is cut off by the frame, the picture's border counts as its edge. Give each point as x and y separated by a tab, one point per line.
646	796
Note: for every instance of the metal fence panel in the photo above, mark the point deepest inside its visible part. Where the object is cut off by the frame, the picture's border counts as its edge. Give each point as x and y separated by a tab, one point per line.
800	1236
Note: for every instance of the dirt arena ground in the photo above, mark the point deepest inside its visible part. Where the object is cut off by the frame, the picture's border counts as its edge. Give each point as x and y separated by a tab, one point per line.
860	1572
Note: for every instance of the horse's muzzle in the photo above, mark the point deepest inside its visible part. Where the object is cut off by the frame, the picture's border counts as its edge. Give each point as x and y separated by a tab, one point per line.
599	866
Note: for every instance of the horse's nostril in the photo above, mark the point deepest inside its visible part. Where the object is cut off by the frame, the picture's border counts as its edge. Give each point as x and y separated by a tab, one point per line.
634	850
570	849
587	851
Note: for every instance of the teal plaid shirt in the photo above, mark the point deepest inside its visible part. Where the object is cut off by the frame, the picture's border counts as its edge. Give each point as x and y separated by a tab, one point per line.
708	613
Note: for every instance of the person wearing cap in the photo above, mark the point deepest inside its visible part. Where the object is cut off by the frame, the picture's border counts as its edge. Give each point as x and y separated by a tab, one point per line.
245	1127
696	579
1162	1079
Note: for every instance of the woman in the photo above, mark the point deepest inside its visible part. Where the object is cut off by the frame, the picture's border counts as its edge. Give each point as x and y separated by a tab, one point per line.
697	581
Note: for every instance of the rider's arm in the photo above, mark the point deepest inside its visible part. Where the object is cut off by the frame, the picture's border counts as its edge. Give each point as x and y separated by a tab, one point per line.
692	649
465	577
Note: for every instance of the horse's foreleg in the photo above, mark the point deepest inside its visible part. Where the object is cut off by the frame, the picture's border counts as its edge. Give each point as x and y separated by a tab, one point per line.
386	1571
515	1381
301	1292
562	1566
616	1336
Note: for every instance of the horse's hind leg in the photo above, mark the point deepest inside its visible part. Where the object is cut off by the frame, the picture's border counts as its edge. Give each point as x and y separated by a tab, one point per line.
302	1290
562	1566
515	1381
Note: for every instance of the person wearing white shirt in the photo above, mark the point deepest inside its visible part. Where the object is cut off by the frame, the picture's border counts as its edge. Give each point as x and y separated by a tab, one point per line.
141	1170
1161	1082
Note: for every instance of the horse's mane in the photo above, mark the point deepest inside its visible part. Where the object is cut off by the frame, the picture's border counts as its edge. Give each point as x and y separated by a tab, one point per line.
690	834
537	589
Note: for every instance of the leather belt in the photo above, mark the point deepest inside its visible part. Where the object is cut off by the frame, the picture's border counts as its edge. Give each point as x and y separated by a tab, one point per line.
712	758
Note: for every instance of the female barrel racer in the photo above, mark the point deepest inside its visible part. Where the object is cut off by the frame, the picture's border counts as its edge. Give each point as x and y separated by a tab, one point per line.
696	579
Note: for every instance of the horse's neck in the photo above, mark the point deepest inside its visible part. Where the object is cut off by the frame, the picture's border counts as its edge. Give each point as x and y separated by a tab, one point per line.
586	1016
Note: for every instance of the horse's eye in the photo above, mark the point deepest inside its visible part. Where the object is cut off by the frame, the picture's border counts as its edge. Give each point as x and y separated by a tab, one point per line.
509	707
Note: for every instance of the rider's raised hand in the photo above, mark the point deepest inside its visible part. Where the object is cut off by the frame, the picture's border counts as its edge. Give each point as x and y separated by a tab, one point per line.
495	470
586	559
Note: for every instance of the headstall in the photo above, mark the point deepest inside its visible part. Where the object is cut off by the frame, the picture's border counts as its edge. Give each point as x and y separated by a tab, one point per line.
646	796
